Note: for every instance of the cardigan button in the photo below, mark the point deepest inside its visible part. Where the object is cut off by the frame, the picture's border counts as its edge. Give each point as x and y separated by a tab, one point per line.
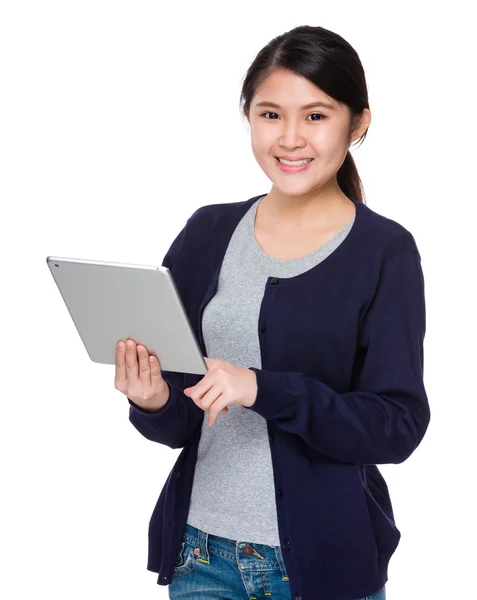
274	281
272	437
298	597
280	492
287	545
263	327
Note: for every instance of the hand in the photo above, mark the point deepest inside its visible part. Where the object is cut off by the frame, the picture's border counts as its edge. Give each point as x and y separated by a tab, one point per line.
224	383
140	380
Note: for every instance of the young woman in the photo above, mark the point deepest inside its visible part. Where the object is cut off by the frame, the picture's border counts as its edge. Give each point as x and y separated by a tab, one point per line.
314	304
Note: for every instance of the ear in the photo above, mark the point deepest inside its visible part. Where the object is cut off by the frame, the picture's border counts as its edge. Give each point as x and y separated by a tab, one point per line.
361	124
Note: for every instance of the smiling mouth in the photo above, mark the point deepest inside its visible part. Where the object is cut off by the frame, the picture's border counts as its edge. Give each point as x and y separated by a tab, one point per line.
296	163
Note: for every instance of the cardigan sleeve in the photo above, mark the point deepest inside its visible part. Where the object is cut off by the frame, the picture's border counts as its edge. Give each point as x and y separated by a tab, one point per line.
174	424
386	417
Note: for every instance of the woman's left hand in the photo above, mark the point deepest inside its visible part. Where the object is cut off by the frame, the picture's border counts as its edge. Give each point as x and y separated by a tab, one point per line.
224	383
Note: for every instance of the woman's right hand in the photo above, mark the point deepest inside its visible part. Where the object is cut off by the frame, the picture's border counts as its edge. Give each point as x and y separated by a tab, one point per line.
141	381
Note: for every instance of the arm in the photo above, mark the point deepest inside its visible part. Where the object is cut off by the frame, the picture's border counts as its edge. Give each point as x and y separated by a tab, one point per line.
174	424
386	419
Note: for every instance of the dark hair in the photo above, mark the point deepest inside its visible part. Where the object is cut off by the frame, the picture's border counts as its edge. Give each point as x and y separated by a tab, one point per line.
329	62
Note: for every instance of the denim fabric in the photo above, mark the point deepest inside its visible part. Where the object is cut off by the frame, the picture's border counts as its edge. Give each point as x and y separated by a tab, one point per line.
216	568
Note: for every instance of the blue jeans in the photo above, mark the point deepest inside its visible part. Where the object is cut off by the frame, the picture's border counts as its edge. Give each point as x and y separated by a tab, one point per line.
216	568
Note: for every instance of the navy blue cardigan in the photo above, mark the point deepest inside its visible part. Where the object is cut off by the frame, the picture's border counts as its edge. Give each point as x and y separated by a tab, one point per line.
341	389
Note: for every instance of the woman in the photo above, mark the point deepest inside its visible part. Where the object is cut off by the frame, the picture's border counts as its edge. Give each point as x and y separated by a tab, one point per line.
315	305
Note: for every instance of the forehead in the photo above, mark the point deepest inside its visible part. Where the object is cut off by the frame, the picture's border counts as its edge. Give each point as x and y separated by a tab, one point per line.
287	90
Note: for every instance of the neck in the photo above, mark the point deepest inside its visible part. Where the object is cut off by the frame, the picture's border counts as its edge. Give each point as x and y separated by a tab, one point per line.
316	209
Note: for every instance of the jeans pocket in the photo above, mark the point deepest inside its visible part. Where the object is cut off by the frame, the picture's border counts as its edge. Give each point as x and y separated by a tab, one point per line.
186	560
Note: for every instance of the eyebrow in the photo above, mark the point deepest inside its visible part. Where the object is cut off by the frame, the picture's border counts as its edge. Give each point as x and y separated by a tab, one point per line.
310	105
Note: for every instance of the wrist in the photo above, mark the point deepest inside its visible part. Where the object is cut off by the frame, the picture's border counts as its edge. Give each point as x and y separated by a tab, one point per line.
158	402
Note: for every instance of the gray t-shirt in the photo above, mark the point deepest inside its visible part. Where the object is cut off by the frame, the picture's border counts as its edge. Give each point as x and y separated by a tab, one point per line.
233	493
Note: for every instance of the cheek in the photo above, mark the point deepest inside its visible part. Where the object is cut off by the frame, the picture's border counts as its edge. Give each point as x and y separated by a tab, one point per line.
331	149
262	139
261	152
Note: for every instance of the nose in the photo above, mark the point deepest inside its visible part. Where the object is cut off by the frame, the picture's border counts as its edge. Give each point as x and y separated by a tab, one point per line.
291	136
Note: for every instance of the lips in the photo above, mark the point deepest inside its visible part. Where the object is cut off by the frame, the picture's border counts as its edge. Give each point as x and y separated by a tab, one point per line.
297	168
293	158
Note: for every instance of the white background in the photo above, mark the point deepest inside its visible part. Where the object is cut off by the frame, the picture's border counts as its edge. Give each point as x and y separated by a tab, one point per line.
118	120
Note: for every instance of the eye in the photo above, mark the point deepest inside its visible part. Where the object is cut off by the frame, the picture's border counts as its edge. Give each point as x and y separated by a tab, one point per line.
318	115
313	114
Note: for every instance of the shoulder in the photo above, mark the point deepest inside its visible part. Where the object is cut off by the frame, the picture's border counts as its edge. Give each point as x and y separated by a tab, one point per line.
387	234
207	217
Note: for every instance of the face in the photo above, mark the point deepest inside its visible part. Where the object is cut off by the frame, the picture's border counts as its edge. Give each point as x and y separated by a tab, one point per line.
322	133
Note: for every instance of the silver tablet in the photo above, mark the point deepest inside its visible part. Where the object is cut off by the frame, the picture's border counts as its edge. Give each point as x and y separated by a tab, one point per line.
111	301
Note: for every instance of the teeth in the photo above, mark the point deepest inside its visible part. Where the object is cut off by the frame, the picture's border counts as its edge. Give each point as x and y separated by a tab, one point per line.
295	163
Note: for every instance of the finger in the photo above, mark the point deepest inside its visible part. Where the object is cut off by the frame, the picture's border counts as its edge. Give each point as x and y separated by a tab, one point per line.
120	361
144	368
198	392
204	394
201	399
215	409
131	360
212	419
156	373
